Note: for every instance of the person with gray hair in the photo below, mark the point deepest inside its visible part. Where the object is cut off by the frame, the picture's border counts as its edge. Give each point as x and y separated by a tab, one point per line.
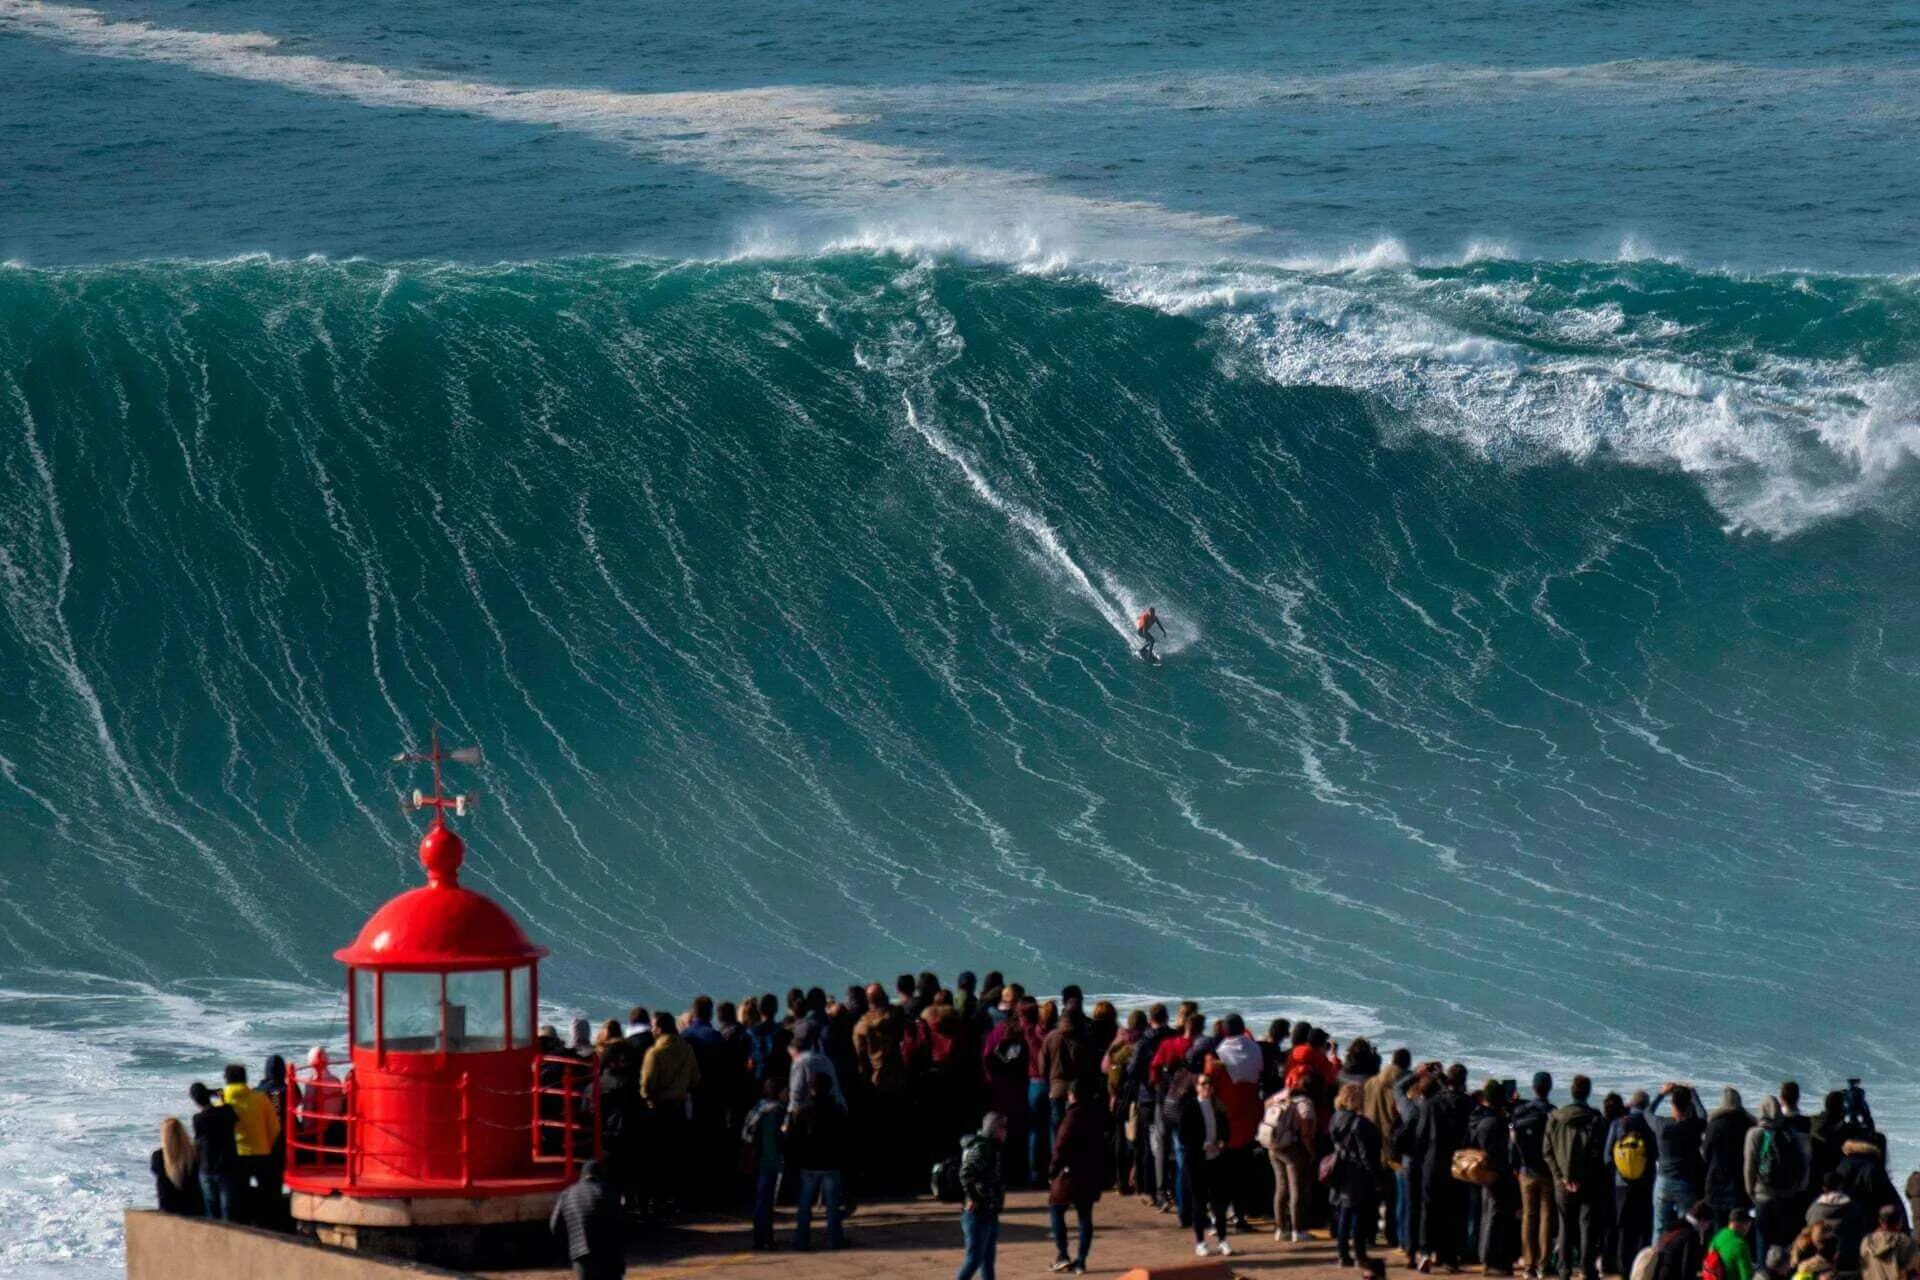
1724	1147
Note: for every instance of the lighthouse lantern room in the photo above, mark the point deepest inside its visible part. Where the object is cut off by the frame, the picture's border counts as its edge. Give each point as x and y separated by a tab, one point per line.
449	1095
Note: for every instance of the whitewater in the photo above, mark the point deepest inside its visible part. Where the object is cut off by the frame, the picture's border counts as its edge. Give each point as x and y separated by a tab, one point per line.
760	433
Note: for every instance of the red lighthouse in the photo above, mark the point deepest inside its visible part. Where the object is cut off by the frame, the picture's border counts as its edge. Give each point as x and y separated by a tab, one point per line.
452	1130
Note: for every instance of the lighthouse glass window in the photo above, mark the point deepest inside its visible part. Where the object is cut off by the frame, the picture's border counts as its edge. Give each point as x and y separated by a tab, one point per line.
411	1012
476	1011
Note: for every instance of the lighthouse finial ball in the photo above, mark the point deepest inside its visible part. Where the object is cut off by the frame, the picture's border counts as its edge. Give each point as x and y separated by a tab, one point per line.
440	853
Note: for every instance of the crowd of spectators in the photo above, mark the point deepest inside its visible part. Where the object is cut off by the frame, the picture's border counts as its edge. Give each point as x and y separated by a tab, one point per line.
823	1101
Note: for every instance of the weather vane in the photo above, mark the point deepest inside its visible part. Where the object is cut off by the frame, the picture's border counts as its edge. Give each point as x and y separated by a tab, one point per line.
439	801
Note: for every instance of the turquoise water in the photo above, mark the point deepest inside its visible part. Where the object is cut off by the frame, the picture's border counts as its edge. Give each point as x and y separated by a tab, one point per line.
757	431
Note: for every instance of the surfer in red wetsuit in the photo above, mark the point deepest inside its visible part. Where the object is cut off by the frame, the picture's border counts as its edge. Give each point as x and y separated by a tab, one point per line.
1144	629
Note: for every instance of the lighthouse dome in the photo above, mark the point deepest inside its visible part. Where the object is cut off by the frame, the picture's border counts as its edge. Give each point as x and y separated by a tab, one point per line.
440	925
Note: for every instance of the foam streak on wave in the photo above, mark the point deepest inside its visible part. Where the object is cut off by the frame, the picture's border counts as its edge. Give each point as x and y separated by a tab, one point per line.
1045	540
788	140
784	595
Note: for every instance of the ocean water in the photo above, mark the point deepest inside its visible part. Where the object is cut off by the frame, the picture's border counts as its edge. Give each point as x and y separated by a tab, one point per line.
757	426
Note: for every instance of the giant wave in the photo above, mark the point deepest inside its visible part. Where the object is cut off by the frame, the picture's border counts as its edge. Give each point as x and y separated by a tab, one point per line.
1542	631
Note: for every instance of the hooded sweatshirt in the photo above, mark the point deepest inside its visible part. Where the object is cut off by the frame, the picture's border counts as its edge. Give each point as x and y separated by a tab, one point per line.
1240	1055
1724	1146
1773	1127
1888	1255
256	1123
1575	1146
1838	1208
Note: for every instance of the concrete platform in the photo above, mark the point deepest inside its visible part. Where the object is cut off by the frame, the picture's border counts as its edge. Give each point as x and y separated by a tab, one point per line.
922	1239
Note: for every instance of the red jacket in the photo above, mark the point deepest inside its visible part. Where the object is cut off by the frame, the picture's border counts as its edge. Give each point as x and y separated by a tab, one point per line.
1168	1055
1242	1103
1304	1060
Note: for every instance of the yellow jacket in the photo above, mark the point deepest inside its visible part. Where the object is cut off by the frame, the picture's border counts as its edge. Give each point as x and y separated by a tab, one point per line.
670	1072
256	1123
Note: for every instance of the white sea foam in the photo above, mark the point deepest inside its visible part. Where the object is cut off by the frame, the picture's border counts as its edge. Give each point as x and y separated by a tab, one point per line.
790	140
1777	448
93	1065
1618	80
1041	536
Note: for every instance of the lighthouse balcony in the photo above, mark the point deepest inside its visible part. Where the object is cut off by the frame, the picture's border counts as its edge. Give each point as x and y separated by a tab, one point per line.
503	1124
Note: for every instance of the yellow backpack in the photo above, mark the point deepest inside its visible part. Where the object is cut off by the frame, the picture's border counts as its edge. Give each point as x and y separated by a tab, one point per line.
1630	1156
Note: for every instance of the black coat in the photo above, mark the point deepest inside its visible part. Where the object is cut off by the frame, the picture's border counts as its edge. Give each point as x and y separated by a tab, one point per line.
185	1200
1137	1066
1487	1130
1725	1148
1426	1142
1866	1181
1192	1130
1356	1140
213	1138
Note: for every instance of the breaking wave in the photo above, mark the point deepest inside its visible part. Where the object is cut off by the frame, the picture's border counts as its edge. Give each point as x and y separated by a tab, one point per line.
1527	618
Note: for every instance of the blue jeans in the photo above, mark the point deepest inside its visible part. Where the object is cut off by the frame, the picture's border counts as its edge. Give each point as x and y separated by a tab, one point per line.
1083	1212
1160	1144
1672	1197
1182	1200
818	1183
1353	1229
213	1188
1039	1135
1401	1203
765	1187
981	1232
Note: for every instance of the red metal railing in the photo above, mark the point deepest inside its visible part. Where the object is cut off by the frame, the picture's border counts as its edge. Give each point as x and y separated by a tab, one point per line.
325	1133
320	1124
558	1113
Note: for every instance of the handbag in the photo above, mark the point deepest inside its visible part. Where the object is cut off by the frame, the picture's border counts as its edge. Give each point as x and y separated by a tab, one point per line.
1060	1190
1330	1166
1470	1165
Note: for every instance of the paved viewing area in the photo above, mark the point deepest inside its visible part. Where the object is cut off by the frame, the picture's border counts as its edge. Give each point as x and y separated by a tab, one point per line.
922	1238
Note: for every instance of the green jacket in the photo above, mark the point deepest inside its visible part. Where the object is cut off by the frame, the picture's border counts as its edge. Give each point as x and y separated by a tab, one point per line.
1575	1145
1736	1255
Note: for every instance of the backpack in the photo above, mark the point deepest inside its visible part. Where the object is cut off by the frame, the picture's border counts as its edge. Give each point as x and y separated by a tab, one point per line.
1286	1127
1630	1155
1583	1154
1779	1167
1180	1087
1529	1134
946	1181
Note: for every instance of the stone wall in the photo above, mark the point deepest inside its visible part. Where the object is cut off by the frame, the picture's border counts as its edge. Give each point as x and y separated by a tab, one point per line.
165	1246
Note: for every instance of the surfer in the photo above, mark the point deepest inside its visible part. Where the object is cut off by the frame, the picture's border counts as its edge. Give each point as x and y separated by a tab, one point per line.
1144	629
